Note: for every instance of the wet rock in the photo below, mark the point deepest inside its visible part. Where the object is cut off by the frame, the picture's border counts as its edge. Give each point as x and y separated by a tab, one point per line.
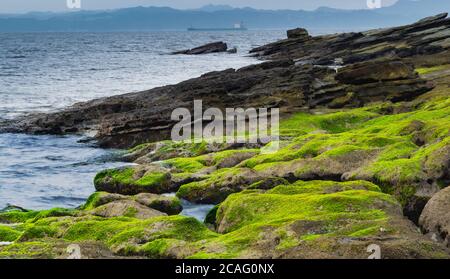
232	50
205	49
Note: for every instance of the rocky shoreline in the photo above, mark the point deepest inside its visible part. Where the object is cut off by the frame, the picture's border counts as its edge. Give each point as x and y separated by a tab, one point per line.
364	158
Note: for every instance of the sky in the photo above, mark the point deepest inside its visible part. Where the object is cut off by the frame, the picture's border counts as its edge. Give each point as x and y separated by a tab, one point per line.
21	6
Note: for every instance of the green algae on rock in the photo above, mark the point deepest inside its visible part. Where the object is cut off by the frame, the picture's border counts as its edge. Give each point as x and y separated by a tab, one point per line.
331	219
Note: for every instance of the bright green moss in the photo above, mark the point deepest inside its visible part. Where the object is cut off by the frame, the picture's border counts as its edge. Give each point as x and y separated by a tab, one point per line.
323	187
272	208
429	70
17	216
27	250
8	234
125	176
195	164
186	164
92	201
303	123
22	217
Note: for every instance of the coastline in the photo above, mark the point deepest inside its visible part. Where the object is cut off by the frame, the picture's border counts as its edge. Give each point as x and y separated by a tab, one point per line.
351	165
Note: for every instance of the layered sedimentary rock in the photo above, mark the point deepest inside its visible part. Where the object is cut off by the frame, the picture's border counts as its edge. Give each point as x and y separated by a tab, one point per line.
428	36
127	120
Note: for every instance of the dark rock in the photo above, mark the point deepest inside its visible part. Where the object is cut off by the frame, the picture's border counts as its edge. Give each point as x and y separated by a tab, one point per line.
297	33
205	49
232	50
373	71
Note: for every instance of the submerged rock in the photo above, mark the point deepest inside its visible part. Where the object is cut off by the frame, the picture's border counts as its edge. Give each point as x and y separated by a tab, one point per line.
205	49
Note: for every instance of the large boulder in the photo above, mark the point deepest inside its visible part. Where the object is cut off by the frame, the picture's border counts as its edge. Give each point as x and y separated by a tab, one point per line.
297	33
435	218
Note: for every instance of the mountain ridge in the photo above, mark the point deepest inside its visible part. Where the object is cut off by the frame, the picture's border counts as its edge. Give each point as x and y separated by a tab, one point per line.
166	18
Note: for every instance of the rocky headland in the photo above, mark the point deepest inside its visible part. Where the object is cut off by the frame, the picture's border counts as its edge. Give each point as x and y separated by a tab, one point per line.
364	158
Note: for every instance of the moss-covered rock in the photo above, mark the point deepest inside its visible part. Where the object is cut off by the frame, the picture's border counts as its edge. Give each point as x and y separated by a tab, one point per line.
127	208
166	204
134	180
8	234
313	219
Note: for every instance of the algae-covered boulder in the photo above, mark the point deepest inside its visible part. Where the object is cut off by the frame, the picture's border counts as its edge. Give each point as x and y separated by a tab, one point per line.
144	202
323	219
316	219
134	180
168	175
127	208
435	218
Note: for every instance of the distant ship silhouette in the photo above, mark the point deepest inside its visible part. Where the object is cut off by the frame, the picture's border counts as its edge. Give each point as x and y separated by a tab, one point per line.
237	27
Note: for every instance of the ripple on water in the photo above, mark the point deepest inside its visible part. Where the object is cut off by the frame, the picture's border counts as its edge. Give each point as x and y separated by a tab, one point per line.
41	172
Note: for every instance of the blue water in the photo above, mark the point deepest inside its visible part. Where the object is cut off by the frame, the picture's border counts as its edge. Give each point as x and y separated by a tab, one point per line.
41	72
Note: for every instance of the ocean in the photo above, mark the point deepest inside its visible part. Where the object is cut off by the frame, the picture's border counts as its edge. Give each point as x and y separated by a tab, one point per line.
43	72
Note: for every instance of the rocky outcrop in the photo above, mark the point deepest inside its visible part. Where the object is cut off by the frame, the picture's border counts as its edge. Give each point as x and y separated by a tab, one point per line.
205	49
435	218
427	36
291	81
131	119
366	142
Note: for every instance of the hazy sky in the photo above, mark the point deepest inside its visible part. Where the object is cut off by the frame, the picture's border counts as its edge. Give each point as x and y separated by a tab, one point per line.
14	6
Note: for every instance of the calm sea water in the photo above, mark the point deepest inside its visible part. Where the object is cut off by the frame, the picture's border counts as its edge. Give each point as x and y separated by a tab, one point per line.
49	71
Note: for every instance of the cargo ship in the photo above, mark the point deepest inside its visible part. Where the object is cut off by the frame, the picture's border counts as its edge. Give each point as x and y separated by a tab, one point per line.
236	27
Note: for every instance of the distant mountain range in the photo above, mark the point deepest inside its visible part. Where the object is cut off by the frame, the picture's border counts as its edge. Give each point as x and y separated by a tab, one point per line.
163	18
